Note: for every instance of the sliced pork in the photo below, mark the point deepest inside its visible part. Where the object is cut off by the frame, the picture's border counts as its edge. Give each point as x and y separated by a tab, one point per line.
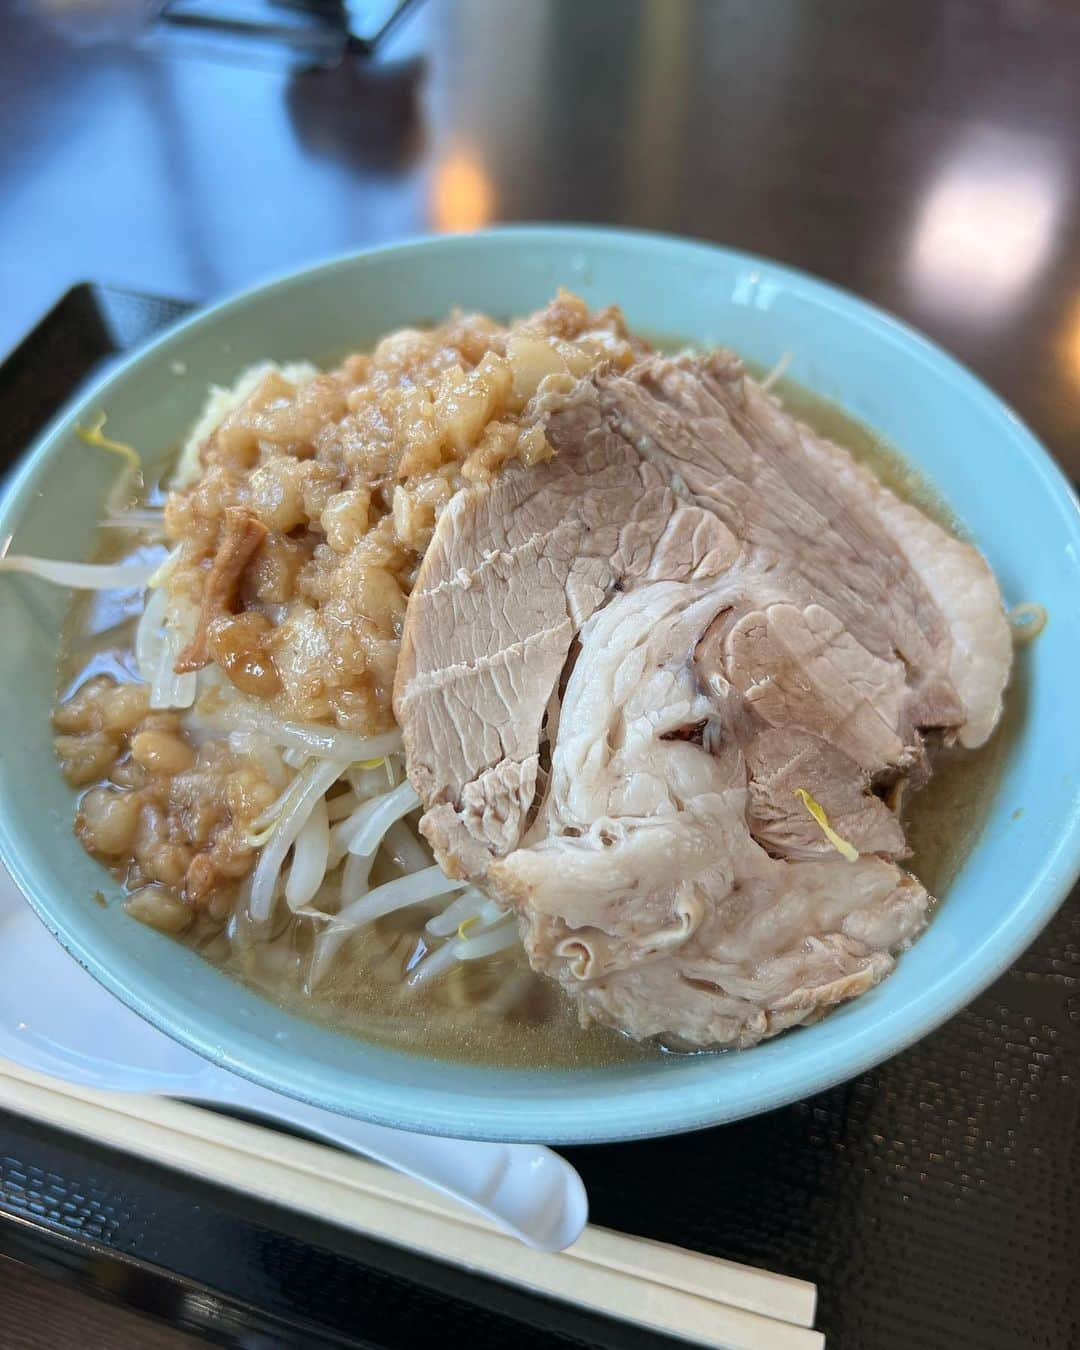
628	672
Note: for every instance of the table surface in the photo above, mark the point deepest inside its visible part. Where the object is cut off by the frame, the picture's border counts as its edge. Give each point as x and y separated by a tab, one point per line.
924	154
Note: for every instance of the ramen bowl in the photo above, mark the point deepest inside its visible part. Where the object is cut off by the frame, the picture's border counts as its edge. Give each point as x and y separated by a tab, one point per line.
1000	483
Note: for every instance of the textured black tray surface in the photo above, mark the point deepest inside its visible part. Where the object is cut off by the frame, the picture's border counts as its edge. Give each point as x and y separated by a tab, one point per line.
935	1201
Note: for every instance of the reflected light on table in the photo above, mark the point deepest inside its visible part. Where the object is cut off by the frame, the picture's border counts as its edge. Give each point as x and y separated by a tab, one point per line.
987	226
462	196
1069	345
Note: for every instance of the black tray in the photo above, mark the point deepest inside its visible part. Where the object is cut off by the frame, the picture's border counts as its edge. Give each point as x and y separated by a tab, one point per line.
935	1201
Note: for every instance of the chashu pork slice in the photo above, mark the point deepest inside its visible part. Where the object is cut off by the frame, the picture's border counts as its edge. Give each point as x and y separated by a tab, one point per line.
623	668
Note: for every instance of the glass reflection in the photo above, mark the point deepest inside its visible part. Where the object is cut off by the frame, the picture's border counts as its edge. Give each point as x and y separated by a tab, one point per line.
987	225
462	196
1070	345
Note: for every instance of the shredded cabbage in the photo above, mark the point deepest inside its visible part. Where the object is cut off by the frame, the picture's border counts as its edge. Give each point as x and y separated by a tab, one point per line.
344	804
315	781
496	939
472	909
406	850
776	373
434	964
129	482
95	435
262	826
346	832
169	689
143	519
159	641
395	895
148	635
374	818
386	899
329	742
354	877
308	869
165	567
368	782
325	742
849	851
466	906
80	576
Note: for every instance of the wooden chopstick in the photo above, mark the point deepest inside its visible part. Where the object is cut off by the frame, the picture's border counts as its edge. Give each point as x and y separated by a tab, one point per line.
777	1296
610	1273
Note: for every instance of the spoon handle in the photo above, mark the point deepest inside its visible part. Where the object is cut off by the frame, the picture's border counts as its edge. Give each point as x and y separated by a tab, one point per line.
526	1189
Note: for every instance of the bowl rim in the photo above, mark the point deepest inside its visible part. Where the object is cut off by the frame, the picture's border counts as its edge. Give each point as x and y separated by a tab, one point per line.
599	1115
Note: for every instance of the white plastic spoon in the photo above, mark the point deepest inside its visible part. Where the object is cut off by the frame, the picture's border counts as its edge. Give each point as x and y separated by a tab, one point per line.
56	1019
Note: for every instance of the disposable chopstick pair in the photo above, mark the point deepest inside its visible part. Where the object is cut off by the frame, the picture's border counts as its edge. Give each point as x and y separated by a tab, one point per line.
701	1299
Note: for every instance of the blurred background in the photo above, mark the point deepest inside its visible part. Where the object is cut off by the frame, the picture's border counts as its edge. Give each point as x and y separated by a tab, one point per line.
925	154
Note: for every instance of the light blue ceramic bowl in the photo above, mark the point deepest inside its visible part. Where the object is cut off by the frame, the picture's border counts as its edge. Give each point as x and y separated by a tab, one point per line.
983	460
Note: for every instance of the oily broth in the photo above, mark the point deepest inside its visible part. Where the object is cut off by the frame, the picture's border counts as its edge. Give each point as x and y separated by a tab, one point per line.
946	818
449	1021
365	995
888	465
